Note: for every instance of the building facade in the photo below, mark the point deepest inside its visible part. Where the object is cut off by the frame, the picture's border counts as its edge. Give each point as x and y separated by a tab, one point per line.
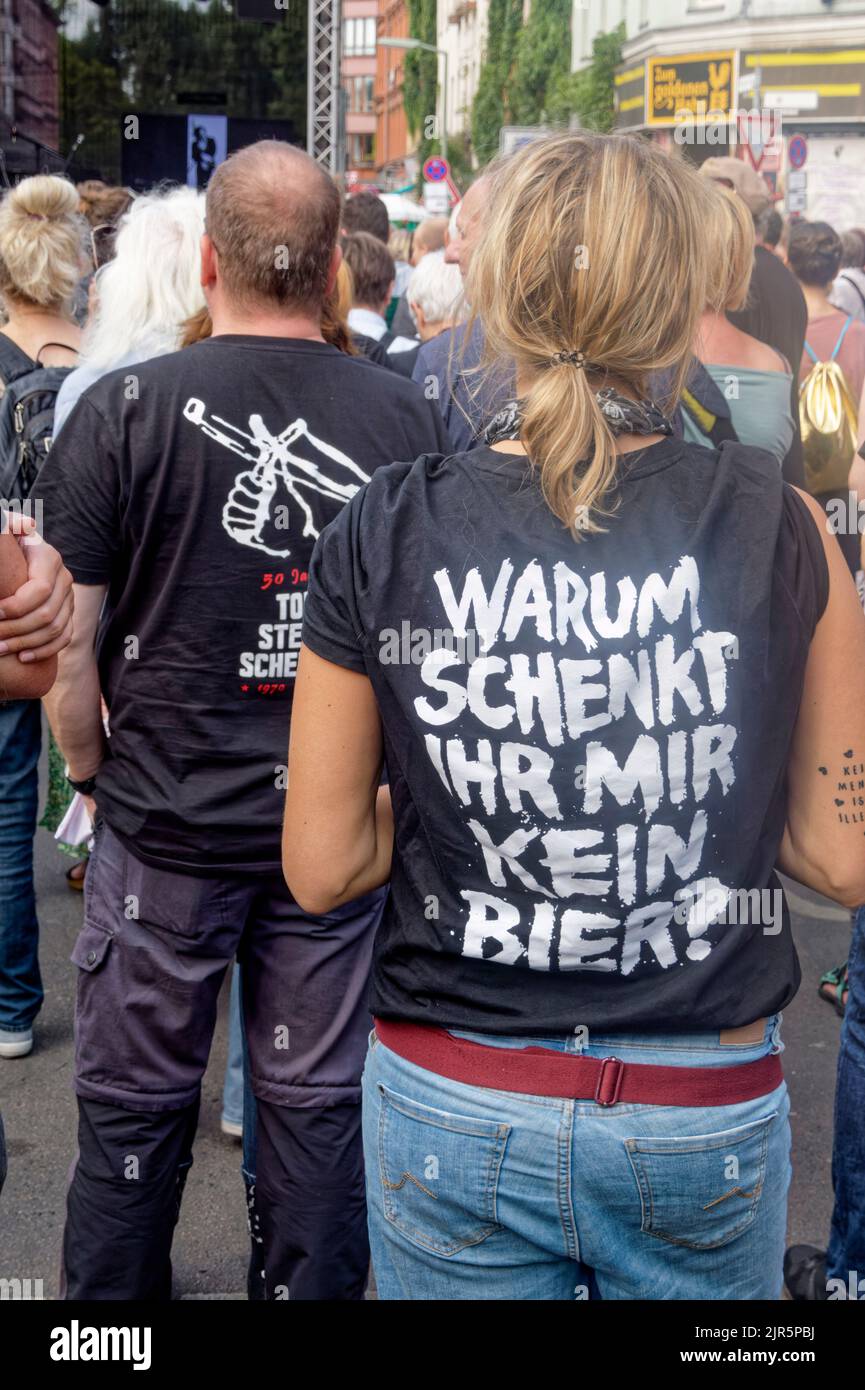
358	72
462	34
692	70
29	98
395	147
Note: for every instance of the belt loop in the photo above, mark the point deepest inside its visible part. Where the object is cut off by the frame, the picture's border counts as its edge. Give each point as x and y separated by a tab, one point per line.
609	1083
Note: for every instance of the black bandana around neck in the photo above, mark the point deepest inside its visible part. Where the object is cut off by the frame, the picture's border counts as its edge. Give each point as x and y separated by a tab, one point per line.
624	416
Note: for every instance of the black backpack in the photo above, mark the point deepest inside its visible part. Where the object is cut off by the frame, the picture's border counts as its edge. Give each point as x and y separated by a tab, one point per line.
26	416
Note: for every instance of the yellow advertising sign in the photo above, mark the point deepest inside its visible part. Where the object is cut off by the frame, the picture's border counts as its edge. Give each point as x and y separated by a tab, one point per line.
702	84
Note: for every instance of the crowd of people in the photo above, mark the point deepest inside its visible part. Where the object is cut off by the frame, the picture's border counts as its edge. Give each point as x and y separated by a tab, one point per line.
537	533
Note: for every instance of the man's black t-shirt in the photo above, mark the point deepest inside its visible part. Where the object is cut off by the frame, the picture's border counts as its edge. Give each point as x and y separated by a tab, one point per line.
194	486
586	740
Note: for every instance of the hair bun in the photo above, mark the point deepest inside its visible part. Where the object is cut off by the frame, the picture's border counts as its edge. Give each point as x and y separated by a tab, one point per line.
44	196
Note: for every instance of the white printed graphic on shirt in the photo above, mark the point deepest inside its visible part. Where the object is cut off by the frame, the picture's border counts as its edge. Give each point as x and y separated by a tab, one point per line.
277	469
630	819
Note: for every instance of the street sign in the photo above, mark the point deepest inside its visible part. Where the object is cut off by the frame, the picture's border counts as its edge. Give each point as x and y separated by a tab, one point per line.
436	199
797	178
797	200
436	169
797	151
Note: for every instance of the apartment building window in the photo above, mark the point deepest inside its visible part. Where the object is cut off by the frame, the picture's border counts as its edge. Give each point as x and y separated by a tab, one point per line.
359	91
362	149
358	38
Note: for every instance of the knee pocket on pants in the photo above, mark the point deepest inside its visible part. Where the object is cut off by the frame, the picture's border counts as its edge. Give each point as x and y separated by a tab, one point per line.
91	947
439	1173
704	1190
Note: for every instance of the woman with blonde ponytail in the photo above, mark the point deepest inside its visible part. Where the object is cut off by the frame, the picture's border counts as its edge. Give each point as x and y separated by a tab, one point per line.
591	656
41	261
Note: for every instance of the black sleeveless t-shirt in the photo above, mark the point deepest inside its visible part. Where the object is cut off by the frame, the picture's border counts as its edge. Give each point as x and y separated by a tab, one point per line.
586	740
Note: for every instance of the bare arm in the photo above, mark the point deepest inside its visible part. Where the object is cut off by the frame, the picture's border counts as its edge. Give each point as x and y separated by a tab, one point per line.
73	706
337	838
20	680
824	840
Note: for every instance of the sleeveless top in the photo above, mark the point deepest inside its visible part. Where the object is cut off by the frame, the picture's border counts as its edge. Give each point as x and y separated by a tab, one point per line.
759	408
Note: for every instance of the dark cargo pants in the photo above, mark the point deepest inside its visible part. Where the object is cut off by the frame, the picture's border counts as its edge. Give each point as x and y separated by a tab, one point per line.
152	956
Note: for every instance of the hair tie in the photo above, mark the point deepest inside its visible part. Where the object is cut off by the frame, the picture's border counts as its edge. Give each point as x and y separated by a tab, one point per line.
574	359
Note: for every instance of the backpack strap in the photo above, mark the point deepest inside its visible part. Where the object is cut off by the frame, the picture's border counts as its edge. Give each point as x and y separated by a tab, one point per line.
841	337
65	347
14	362
717	428
848	281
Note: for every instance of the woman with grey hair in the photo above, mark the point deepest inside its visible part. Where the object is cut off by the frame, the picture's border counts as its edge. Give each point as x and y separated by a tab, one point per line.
848	291
143	296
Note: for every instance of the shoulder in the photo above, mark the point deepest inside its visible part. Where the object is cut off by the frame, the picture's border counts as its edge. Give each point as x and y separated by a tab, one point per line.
108	391
746	461
399	493
435	353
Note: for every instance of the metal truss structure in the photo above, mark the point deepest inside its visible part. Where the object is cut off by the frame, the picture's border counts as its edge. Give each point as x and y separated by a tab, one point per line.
324	125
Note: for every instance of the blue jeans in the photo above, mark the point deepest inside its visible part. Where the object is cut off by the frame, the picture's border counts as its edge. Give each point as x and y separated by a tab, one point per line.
232	1091
20	981
847	1242
484	1194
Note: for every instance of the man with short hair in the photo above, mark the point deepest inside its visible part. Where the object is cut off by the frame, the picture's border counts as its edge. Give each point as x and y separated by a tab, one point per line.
188	492
365	212
429	236
372	274
447	366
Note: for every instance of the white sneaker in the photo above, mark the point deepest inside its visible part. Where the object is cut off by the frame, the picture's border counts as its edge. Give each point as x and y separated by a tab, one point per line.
16	1044
231	1127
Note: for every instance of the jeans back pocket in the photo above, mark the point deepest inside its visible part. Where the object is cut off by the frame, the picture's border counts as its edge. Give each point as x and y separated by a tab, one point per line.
439	1173
701	1190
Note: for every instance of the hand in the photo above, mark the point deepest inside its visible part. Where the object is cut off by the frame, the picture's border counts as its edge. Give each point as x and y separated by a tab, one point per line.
90	804
36	621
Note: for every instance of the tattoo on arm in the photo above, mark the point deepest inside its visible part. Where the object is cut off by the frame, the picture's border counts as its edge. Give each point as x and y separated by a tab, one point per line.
850	788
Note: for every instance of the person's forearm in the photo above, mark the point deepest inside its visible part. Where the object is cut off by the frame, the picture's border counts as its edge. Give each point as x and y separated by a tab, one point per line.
75	715
375	870
355	868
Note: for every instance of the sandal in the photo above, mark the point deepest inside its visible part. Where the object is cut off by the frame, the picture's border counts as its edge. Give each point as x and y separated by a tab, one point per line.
75	879
833	986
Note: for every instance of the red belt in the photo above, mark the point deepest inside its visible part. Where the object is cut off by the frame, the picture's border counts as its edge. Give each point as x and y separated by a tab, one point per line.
538	1071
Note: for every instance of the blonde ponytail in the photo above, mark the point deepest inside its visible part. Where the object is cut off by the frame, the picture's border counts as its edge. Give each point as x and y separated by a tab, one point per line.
593	252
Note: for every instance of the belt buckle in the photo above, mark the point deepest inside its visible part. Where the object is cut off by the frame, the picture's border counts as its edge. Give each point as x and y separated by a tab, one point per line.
608	1087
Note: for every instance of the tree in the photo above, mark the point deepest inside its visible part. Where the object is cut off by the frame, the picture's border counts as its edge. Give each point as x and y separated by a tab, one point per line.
491	108
543	58
420	78
140	53
589	93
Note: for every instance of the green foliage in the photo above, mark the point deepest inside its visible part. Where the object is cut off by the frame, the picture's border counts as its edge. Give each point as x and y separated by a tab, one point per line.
594	96
460	160
589	93
420	81
136	56
543	57
491	108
